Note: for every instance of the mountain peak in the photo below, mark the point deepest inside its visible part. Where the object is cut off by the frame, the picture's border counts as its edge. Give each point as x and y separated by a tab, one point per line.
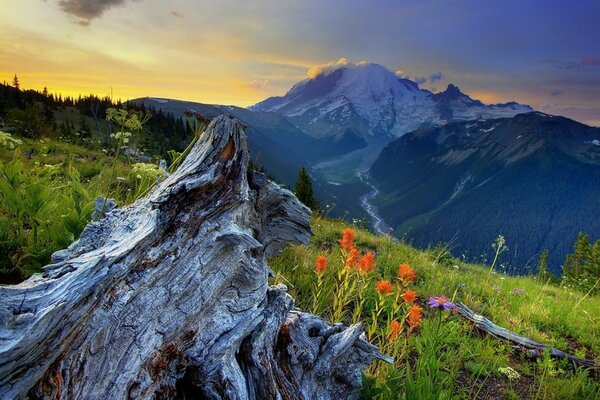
453	91
371	99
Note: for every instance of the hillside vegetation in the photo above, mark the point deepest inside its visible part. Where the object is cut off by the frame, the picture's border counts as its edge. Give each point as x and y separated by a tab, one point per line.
402	296
437	354
442	355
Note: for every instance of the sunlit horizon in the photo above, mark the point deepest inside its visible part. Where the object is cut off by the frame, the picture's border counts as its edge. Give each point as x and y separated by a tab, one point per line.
226	52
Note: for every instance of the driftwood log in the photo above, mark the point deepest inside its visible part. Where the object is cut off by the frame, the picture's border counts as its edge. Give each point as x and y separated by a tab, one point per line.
535	349
168	298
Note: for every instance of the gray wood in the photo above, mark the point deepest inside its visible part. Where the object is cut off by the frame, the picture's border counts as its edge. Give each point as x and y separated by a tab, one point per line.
534	348
168	298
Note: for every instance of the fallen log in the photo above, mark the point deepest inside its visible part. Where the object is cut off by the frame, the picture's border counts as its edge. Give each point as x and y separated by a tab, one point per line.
534	348
169	298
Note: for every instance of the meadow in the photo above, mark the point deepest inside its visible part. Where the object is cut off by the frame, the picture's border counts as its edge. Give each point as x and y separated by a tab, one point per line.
401	295
403	298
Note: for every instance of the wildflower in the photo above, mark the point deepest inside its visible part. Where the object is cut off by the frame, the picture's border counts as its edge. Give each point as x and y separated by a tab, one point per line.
367	263
441	303
414	318
496	288
320	265
347	241
395	329
509	372
149	172
518	291
406	273
410	296
384	287
352	258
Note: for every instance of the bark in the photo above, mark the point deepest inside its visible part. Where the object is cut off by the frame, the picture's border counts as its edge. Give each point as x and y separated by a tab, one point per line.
169	298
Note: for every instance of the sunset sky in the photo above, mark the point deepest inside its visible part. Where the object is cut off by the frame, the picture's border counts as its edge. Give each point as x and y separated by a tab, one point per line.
542	53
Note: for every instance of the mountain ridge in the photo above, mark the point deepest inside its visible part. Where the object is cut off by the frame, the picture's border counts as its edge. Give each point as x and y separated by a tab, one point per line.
374	101
530	177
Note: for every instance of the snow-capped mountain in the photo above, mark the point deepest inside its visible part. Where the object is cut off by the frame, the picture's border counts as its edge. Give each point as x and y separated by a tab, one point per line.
371	100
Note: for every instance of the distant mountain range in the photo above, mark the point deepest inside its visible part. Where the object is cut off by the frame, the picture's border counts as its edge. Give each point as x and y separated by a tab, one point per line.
535	178
452	168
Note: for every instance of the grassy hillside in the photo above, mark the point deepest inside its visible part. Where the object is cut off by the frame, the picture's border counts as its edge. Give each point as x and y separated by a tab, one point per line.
48	187
444	357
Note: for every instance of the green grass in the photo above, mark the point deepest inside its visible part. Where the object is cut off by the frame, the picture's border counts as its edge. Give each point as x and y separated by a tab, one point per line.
446	357
47	193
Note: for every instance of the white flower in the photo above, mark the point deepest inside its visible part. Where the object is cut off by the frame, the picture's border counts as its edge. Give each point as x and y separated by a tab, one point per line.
510	373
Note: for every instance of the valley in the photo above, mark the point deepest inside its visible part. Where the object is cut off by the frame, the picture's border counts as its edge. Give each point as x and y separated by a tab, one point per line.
379	148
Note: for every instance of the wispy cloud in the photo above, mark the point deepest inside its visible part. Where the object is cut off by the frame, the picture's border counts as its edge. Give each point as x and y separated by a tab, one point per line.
258	84
435	77
590	61
557	93
177	15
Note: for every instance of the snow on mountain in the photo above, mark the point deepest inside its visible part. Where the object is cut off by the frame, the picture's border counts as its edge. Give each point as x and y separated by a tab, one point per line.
372	101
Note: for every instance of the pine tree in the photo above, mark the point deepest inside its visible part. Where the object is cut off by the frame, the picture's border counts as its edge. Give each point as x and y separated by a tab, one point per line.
543	273
304	190
16	83
575	262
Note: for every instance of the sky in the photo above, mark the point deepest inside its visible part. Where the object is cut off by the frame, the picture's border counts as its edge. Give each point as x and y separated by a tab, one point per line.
542	53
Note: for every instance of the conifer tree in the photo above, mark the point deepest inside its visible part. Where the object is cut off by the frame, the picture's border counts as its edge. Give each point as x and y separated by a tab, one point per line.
16	83
304	190
543	273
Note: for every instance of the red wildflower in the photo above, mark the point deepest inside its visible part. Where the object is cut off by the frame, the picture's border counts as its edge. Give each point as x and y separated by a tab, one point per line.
352	258
384	287
395	329
414	317
406	273
367	262
320	265
347	241
410	296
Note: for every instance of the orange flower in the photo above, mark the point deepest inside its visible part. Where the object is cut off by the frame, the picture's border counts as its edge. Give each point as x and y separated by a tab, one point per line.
406	273
367	262
352	258
320	265
347	241
410	296
395	329
384	287
414	317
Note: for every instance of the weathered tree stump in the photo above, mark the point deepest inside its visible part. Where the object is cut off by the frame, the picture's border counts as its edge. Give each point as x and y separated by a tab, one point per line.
168	298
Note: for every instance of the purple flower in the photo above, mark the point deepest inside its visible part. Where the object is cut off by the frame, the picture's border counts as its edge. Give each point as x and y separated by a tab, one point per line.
497	288
518	291
441	303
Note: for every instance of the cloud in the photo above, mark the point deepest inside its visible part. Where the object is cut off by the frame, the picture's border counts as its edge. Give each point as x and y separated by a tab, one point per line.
324	68
258	84
436	76
584	63
177	15
401	74
557	93
87	10
590	61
